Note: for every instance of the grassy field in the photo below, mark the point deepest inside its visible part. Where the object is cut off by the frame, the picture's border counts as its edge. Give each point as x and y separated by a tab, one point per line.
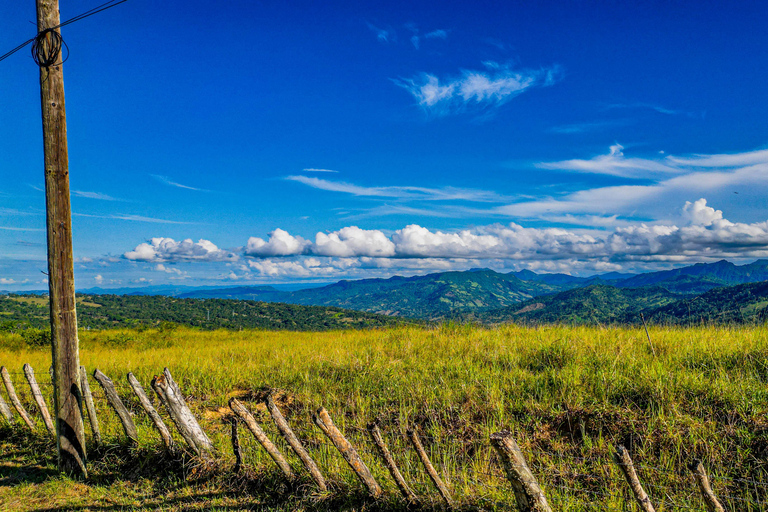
569	395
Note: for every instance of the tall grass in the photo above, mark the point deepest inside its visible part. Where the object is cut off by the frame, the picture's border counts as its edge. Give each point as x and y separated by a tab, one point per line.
569	394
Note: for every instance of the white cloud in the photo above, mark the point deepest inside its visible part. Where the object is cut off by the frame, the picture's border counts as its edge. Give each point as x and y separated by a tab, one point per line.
436	34
492	87
280	243
614	164
401	192
702	233
312	169
6	280
167	249
383	35
353	241
170	182
99	279
94	195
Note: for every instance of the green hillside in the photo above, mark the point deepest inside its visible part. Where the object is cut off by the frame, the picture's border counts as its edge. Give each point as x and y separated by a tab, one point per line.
112	311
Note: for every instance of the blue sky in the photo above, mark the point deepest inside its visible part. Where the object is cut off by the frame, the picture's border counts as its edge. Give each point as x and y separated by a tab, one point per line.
266	142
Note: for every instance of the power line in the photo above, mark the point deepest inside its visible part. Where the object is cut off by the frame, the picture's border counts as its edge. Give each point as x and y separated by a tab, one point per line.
42	34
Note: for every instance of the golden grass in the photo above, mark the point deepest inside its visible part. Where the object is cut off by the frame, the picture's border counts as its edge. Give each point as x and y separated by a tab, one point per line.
570	394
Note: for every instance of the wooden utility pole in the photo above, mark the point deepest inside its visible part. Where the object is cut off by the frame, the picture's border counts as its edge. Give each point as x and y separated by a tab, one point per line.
70	434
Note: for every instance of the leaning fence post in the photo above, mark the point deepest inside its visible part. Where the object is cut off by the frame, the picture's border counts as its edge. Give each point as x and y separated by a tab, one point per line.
151	412
15	399
625	463
250	422
702	480
323	420
442	489
29	373
117	404
90	407
528	494
6	411
295	444
186	423
389	462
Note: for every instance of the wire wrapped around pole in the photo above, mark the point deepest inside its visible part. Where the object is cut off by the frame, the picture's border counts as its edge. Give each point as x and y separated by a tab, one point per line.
46	48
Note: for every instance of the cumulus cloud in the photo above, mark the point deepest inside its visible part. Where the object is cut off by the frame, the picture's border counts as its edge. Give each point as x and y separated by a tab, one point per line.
491	87
280	243
167	249
702	232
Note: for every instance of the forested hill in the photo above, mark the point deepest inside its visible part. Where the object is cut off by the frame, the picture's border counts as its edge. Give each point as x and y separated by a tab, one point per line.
109	311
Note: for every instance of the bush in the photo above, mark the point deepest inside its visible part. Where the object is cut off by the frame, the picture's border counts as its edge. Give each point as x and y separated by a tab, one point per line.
36	337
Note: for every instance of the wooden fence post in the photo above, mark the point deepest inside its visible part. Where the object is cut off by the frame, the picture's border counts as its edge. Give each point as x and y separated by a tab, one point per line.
114	400
29	373
186	423
295	444
250	422
702	480
151	412
6	411
528	494
323	420
442	489
236	445
90	407
15	399
627	467
389	462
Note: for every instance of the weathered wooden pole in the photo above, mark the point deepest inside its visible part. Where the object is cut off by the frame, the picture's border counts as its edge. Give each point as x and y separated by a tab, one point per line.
90	406
261	437
37	395
15	399
165	434
6	411
378	440
70	437
236	445
628	468
528	494
441	488
117	404
323	420
702	480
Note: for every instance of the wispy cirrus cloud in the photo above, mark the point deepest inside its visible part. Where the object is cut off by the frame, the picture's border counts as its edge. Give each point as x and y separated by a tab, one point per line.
312	169
614	164
168	181
401	192
384	35
133	218
94	195
492	87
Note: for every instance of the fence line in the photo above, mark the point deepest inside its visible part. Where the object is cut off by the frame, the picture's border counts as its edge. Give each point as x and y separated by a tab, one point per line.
529	496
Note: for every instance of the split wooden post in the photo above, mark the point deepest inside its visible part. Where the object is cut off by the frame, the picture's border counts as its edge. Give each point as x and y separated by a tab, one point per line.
89	405
295	444
389	462
441	488
6	411
528	494
627	467
186	423
236	445
117	404
15	399
29	373
250	422
323	420
151	412
702	480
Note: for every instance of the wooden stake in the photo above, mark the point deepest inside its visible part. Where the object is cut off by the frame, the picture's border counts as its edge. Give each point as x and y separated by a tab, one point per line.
323	420
236	445
261	437
117	404
295	444
61	278
89	405
625	463
186	423
6	411
38	397
15	399
165	434
378	440
442	489
702	480
528	494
